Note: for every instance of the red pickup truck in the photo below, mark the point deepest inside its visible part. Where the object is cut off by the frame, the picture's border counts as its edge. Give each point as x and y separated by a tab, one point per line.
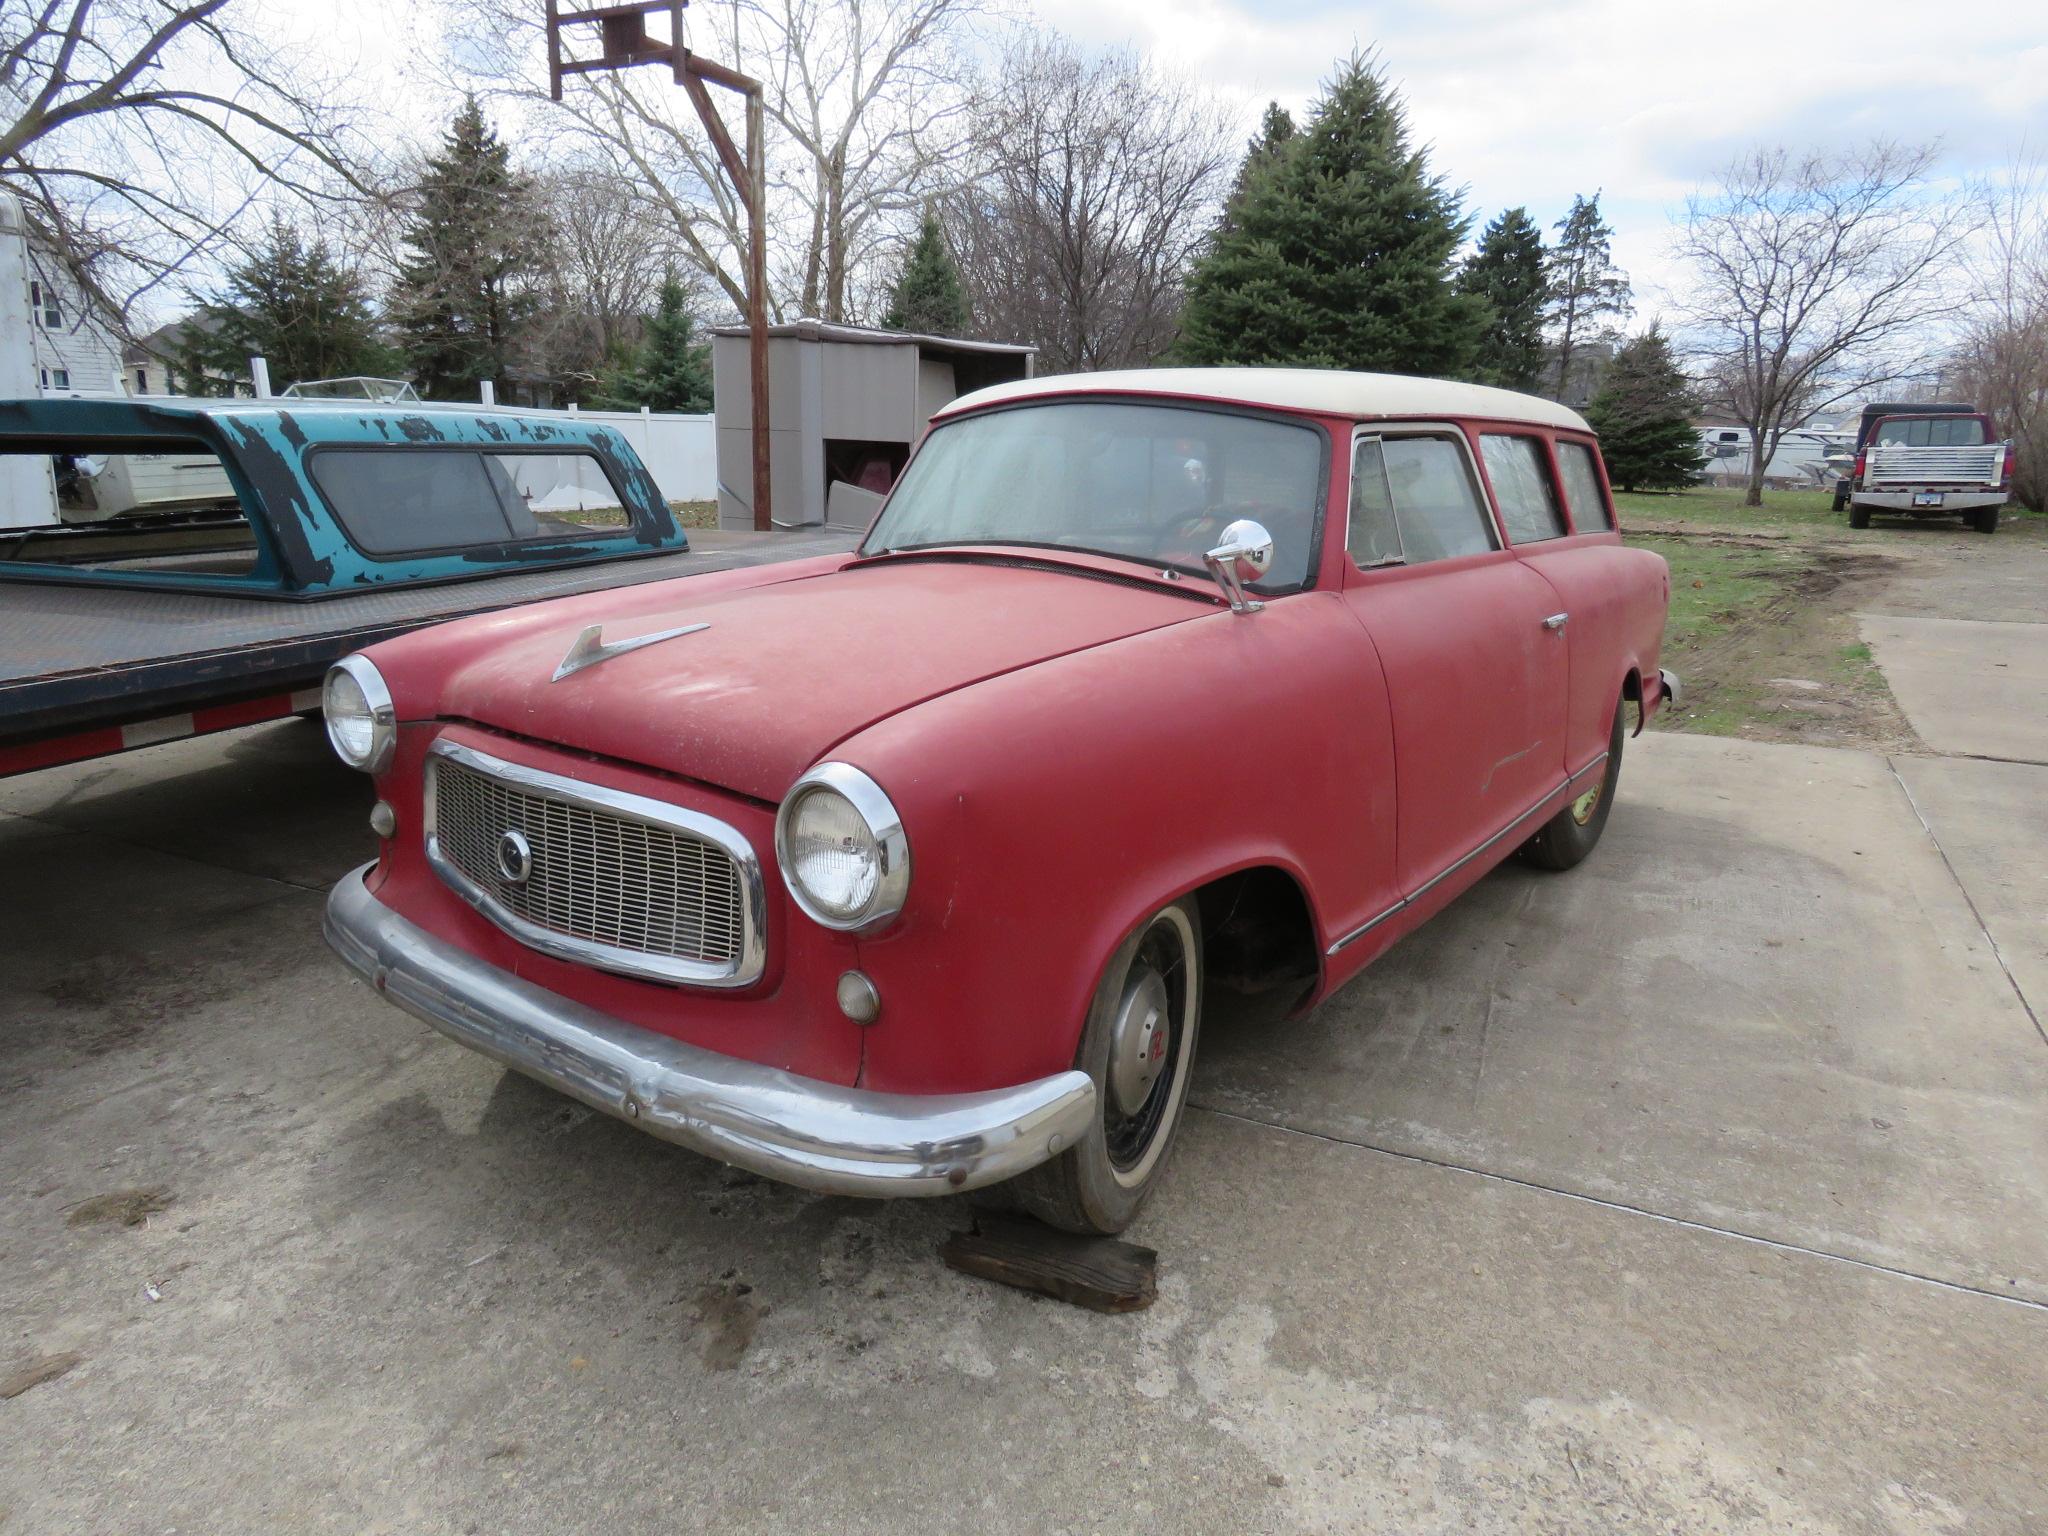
1927	461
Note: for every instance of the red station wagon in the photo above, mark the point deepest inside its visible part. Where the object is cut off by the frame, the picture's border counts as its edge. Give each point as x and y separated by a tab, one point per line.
908	871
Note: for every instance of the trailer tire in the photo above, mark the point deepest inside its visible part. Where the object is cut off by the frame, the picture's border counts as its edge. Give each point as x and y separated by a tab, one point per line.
1841	497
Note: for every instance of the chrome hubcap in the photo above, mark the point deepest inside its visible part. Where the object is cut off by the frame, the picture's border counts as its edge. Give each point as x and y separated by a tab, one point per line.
1138	1042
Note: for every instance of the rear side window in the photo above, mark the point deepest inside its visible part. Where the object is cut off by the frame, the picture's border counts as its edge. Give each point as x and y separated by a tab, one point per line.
1521	482
1931	432
1413	500
404	501
1582	488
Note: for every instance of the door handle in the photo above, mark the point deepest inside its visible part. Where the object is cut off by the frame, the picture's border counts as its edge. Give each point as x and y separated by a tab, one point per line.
1556	621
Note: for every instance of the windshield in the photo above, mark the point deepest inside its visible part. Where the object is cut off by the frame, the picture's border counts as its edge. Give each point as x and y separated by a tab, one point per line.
1156	483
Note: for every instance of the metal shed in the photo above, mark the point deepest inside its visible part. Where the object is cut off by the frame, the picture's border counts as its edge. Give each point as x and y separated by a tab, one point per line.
845	404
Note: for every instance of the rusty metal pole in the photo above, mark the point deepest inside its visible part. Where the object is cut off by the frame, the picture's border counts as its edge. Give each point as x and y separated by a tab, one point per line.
757	305
622	24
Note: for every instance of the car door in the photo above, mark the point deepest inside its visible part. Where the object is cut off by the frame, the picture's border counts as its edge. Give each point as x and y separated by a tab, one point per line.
1587	567
1476	681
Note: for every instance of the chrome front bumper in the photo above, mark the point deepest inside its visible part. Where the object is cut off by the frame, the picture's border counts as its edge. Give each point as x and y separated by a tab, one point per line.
796	1129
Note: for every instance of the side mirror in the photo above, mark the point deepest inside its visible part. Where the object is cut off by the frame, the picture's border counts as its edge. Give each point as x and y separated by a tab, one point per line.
1245	554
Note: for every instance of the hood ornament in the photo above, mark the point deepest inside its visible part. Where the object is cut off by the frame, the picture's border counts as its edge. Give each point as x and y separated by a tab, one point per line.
591	647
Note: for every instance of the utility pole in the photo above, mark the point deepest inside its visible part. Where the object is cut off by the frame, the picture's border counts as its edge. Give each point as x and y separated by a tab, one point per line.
627	42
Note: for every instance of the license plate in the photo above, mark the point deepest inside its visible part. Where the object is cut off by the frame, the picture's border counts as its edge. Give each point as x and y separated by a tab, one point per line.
1927	498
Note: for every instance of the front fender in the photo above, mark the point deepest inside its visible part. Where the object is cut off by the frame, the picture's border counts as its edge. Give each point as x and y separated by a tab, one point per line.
1052	808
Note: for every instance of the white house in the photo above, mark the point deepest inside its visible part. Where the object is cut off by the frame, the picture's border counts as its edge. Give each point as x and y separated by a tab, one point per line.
56	341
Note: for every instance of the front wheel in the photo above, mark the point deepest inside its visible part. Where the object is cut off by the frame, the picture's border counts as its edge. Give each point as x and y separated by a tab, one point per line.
1572	833
1139	1047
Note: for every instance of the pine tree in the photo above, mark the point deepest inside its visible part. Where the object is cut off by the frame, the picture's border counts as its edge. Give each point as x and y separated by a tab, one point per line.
1276	131
1585	284
1339	253
1506	272
476	238
292	303
1644	414
928	296
191	365
670	371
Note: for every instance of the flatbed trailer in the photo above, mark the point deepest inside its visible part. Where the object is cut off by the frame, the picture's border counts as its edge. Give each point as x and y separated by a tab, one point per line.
88	671
328	526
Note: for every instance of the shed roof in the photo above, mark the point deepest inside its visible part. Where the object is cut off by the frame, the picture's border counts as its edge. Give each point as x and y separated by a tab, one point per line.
1323	391
871	336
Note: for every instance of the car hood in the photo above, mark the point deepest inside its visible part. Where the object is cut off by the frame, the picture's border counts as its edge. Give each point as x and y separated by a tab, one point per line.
786	670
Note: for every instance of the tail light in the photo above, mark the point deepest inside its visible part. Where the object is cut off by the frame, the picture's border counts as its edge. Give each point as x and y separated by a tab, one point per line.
1856	476
2005	472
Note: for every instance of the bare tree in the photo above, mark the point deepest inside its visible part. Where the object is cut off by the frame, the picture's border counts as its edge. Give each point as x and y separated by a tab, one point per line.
1100	179
1816	279
604	264
2002	361
866	121
134	131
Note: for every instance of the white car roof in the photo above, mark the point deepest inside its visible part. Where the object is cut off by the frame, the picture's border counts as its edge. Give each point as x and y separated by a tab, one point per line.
1323	391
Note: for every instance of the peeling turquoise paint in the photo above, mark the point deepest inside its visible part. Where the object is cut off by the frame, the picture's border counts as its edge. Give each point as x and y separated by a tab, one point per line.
302	549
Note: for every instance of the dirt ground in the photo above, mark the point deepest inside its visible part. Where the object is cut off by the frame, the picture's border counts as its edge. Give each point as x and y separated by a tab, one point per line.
1772	650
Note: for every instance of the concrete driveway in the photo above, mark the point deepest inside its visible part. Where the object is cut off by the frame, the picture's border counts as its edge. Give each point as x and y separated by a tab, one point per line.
1704	1188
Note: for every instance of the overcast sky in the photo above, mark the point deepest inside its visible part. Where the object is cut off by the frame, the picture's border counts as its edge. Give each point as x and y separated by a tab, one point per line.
1530	103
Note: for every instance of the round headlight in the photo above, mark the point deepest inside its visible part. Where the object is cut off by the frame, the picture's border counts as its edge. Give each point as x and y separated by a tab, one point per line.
362	724
841	846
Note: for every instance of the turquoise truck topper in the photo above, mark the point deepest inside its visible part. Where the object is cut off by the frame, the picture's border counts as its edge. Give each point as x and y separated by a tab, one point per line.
271	452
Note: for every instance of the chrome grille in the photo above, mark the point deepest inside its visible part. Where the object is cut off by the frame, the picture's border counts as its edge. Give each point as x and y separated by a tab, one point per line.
615	889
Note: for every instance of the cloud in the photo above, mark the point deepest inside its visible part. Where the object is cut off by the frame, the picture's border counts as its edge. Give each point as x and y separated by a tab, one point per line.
1528	104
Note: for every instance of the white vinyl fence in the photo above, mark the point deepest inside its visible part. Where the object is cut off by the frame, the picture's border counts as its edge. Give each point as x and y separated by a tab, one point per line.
679	451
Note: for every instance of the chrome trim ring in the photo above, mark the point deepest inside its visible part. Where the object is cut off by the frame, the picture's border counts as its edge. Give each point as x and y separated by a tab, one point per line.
892	844
743	970
383	713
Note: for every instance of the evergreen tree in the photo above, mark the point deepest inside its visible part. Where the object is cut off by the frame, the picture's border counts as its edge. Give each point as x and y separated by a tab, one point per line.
292	303
1585	284
191	362
928	296
1339	252
476	238
670	371
1644	414
1506	272
1276	131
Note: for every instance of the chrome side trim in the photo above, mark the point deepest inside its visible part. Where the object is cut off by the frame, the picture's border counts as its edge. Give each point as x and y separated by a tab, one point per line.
1452	868
821	1136
753	954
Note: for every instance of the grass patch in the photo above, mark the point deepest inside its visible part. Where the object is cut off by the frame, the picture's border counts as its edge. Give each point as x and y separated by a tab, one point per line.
1764	635
1718	508
695	514
1713	584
